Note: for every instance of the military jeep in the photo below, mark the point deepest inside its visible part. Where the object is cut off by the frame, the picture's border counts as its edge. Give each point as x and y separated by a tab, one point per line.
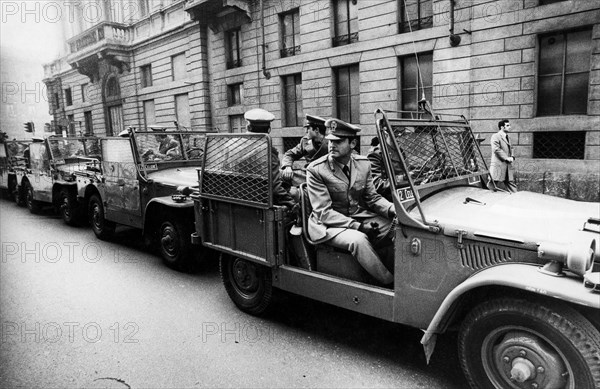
515	274
50	175
137	186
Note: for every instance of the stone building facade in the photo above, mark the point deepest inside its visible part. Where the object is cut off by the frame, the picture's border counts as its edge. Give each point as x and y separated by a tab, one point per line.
203	63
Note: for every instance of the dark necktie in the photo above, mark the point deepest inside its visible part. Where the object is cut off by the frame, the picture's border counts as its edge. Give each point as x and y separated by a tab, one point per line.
509	146
346	171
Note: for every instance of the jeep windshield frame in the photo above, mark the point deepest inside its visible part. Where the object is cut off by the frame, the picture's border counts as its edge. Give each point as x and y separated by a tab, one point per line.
73	149
186	148
435	152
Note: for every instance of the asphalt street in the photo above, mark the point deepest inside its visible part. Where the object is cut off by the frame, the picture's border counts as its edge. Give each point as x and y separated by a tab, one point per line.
79	312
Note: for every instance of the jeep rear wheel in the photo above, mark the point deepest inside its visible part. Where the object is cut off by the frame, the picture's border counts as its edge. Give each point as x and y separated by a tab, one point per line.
102	228
248	284
511	343
68	207
34	206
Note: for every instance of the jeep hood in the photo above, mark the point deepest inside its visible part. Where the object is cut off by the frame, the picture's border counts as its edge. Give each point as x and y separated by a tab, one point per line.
521	217
181	176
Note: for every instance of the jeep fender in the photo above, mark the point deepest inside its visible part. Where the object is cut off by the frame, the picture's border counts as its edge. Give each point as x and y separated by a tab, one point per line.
164	202
512	275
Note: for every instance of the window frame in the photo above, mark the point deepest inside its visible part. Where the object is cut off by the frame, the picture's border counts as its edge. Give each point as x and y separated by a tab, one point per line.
420	23
296	47
146	75
68	97
427	85
563	73
174	75
352	36
338	97
231	89
231	63
298	108
242	127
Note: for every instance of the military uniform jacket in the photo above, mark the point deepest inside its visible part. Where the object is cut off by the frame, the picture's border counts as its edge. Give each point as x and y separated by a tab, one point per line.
336	202
306	149
501	151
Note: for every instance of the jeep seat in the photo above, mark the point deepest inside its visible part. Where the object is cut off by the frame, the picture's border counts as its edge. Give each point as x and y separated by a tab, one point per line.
331	260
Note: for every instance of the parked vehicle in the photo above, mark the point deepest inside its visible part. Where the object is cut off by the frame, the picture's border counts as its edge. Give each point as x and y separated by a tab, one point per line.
142	186
52	167
11	159
516	274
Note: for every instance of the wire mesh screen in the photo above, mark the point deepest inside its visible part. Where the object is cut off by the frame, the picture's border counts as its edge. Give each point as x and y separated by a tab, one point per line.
237	169
559	145
437	153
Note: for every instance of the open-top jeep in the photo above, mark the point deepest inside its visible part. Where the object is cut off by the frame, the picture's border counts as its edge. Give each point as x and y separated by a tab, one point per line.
511	272
144	184
50	176
11	160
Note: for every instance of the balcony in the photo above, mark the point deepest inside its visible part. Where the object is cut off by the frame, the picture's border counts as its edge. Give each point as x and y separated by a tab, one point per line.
289	51
219	15
345	39
107	40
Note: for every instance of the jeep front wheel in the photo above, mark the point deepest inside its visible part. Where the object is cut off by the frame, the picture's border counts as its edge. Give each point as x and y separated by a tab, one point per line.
68	207
248	284
511	343
102	228
174	241
34	206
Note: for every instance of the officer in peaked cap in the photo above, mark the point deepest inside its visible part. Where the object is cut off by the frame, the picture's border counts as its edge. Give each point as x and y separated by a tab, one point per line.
338	129
258	120
312	146
347	211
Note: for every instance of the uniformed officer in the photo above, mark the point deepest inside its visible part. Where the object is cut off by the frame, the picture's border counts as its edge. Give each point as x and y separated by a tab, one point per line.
168	148
259	121
312	146
347	211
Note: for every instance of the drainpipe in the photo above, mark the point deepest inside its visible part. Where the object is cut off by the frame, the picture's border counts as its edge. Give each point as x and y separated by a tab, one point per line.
454	39
266	73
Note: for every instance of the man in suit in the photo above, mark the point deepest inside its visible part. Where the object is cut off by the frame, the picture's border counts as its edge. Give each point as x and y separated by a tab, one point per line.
502	171
311	147
347	211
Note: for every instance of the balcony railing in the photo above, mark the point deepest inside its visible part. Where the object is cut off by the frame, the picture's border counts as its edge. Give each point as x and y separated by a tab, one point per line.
416	24
346	39
234	63
106	31
289	51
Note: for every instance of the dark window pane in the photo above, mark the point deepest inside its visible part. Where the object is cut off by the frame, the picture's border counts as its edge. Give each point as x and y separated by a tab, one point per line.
578	51
559	145
545	2
551	54
576	93
549	96
355	109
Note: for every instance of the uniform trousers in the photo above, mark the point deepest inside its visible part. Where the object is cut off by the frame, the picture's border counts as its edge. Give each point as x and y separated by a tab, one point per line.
362	249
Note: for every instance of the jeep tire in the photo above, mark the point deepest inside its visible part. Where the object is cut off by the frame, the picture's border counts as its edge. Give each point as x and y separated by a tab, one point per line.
68	208
174	243
103	229
248	284
34	206
515	343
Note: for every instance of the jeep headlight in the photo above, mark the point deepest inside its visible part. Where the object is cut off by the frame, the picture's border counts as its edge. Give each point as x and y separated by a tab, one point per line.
577	255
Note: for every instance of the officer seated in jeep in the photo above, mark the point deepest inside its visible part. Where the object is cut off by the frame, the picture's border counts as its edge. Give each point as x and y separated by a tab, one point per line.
347	211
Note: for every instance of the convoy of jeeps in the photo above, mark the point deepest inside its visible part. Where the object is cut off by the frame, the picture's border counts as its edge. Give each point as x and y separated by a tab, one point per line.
517	275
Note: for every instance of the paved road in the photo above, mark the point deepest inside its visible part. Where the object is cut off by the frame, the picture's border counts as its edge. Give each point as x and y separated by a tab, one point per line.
79	312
